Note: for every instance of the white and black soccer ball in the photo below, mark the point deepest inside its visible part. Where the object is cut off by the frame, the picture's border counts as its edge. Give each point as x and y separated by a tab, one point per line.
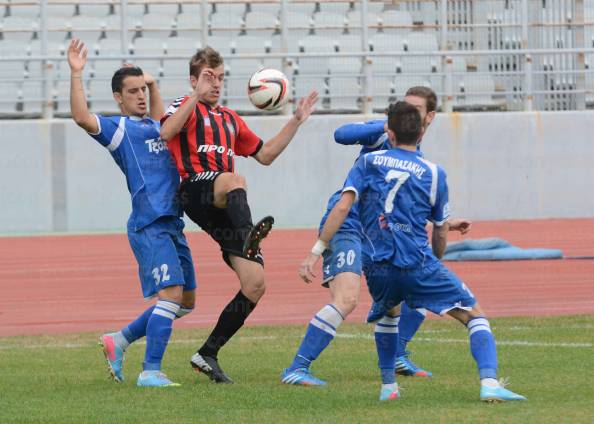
269	89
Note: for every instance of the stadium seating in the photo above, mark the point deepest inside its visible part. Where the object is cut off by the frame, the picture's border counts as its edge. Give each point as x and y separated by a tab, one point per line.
171	29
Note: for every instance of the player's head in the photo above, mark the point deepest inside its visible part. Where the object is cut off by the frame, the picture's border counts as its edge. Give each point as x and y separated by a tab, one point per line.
405	126
129	91
425	100
208	58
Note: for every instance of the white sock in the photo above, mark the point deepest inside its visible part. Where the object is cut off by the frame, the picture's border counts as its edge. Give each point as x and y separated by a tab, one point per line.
489	382
149	373
392	387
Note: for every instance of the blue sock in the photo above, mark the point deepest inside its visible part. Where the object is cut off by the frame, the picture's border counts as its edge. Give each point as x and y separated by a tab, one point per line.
410	322
158	331
320	332
386	343
137	328
482	346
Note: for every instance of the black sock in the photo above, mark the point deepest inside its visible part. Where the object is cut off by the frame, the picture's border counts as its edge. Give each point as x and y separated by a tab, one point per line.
239	210
230	321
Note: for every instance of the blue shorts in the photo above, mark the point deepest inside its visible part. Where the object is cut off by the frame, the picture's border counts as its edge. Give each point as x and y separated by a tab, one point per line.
343	255
163	256
433	287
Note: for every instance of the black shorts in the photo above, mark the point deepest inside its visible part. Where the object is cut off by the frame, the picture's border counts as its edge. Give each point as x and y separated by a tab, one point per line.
196	195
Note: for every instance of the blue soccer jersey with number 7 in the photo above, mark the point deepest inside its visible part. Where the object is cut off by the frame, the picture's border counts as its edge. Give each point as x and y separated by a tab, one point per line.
398	191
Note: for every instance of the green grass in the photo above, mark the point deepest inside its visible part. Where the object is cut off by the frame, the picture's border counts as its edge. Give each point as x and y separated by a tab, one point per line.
62	379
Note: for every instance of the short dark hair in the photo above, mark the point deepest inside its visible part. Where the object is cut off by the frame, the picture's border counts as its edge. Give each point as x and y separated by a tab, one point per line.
424	93
117	81
205	57
405	121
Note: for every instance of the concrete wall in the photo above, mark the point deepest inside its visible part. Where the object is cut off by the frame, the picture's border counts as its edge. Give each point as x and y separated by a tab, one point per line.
53	177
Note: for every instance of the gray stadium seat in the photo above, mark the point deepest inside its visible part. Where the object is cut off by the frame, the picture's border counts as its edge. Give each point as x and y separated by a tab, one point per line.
61	97
23	11
148	46
391	20
9	99
349	43
171	89
303	85
345	66
221	42
157	25
31	97
166	9
225	22
316	65
174	68
251	44
94	10
100	96
12	69
18	29
60	10
181	46
260	21
272	8
372	6
189	21
403	83
243	68
482	85
237	97
306	8
382	93
344	93
230	8
299	20
334	7
354	19
86	28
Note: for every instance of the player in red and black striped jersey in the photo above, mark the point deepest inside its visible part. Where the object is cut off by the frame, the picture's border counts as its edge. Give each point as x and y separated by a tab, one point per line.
203	138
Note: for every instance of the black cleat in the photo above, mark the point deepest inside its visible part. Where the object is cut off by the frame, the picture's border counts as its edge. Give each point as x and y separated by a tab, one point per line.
251	245
210	367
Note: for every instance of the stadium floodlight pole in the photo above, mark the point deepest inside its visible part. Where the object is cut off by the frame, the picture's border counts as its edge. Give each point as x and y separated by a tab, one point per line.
124	27
47	108
204	22
285	45
366	61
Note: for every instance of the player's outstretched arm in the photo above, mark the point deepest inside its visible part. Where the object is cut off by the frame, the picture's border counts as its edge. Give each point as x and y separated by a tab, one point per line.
275	146
172	125
364	134
333	223
77	59
439	239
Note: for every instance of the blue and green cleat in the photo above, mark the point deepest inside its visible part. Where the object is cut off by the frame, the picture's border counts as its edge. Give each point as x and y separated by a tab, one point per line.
300	377
114	356
405	366
154	379
499	394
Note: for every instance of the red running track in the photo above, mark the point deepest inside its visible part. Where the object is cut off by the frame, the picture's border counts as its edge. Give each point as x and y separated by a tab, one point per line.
62	284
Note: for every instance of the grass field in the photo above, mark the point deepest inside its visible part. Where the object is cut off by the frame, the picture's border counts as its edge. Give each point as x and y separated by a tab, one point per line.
63	379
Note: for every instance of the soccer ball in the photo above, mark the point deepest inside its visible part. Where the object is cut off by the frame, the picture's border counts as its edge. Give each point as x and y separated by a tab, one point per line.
269	89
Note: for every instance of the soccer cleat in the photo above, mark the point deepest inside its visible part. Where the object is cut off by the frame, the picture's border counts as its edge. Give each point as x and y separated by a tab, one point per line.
210	366
251	245
154	379
300	377
114	356
499	394
389	394
405	366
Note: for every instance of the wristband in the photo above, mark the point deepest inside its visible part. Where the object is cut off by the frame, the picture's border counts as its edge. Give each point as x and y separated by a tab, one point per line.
319	248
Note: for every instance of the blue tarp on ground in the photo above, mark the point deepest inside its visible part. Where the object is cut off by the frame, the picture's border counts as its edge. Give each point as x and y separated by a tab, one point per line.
495	249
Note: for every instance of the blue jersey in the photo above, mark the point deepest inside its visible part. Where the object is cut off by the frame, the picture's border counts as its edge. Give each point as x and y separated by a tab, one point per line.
151	175
398	192
371	136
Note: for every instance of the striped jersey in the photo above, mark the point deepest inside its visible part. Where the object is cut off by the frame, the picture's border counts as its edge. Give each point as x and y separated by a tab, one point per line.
210	139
